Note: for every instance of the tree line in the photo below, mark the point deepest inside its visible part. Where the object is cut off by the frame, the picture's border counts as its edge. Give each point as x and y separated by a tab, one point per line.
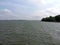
51	19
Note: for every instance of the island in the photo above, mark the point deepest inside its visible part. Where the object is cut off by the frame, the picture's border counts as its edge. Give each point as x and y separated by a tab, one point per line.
51	19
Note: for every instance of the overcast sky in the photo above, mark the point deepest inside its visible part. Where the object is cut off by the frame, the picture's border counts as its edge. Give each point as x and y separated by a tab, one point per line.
28	9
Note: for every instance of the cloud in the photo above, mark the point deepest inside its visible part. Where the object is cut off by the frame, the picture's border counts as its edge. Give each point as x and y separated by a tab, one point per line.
48	10
40	13
29	9
53	11
44	2
7	10
7	14
38	1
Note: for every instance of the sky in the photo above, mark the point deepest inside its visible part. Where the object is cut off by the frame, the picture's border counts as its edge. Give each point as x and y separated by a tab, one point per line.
28	9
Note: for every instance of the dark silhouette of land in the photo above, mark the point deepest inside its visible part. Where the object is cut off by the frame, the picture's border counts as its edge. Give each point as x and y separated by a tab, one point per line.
51	19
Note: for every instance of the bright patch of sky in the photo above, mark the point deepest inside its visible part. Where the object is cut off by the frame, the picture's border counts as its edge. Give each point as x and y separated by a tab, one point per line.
28	9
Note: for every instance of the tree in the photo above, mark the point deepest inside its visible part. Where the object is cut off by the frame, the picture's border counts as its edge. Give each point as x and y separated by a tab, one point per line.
49	19
57	18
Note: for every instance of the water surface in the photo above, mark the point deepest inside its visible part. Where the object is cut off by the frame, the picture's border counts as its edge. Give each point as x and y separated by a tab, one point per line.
29	33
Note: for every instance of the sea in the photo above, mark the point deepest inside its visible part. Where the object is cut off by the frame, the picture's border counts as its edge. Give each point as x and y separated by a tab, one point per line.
29	32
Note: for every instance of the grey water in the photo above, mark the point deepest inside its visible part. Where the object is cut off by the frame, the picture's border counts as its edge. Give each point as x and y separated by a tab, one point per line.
22	32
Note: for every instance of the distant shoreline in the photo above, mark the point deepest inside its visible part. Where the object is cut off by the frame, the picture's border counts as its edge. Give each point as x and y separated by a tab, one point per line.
51	19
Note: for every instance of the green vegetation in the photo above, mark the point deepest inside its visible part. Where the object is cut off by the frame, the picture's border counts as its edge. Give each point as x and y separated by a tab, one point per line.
52	19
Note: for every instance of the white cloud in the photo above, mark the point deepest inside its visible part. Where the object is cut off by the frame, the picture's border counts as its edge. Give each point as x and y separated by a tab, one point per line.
44	2
31	9
47	12
54	10
7	10
7	14
37	2
40	13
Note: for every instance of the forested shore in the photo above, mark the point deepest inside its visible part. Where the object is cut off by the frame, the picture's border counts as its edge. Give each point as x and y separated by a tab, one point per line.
51	19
